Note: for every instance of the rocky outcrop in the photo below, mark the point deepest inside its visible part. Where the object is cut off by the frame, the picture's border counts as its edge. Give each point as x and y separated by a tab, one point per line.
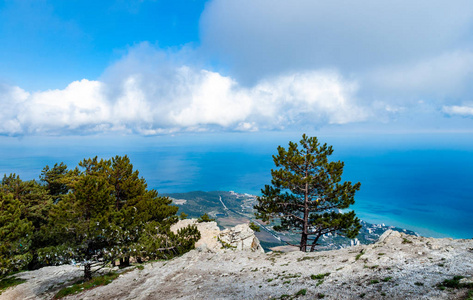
398	266
240	237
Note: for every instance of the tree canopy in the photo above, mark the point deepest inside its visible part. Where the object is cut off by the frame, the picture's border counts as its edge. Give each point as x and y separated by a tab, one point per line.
15	235
100	212
306	194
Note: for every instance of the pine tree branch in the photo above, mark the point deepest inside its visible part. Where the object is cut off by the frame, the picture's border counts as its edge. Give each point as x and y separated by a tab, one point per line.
291	244
294	216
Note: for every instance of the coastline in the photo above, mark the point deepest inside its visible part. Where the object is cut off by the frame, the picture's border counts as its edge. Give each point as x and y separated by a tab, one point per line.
230	208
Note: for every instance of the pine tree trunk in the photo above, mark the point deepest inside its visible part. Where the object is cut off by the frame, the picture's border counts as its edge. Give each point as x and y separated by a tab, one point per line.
303	246
314	243
303	242
124	262
87	272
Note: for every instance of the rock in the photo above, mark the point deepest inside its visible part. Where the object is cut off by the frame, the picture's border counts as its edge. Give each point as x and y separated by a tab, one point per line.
467	280
202	247
388	236
240	237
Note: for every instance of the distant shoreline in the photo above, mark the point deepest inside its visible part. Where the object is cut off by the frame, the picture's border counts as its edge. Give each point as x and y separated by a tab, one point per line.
230	208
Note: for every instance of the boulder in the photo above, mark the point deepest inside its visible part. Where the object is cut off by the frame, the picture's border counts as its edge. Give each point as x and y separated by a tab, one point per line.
389	236
240	237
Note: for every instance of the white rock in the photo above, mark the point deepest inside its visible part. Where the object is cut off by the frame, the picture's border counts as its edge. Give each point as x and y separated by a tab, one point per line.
240	237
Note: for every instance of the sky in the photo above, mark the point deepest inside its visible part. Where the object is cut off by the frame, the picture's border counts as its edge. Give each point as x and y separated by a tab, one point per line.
165	67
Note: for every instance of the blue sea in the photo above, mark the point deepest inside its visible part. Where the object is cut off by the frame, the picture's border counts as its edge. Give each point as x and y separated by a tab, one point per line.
422	182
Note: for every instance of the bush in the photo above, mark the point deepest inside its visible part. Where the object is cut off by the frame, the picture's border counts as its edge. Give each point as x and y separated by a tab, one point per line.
319	276
205	218
254	227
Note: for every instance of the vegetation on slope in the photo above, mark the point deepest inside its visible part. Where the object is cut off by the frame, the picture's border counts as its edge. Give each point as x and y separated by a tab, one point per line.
95	214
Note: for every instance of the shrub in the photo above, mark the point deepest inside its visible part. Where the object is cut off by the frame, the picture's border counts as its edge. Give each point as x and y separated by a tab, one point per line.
205	218
319	276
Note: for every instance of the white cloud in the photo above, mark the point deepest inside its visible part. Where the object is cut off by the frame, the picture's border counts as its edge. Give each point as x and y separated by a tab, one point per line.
319	97
465	111
284	64
11	102
81	104
158	96
397	52
265	64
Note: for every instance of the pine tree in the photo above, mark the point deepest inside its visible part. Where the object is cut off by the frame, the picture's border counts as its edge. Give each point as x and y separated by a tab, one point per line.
306	194
35	203
126	182
80	224
55	180
109	214
15	235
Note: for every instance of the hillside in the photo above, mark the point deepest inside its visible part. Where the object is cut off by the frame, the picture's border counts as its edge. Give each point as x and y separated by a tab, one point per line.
398	266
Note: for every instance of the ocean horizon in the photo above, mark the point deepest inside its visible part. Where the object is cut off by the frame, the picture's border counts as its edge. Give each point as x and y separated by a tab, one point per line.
421	182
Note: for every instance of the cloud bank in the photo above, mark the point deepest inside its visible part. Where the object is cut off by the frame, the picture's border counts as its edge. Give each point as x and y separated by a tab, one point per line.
147	93
274	65
399	52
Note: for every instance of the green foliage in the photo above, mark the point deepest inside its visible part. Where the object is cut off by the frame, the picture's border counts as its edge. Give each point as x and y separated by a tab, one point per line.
306	193
370	267
205	218
35	207
359	255
454	283
81	223
110	214
301	292
56	180
225	245
374	281
81	286
254	227
99	211
9	282
15	235
319	276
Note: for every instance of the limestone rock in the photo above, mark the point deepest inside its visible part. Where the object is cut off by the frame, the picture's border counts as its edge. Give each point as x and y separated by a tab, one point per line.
240	237
389	236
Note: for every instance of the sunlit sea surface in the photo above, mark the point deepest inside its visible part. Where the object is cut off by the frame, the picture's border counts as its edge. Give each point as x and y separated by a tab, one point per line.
419	182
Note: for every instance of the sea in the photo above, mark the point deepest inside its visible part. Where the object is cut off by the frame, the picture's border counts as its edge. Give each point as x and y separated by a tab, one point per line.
422	182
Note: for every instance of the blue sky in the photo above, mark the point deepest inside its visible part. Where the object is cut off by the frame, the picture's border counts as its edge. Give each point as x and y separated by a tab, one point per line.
173	66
